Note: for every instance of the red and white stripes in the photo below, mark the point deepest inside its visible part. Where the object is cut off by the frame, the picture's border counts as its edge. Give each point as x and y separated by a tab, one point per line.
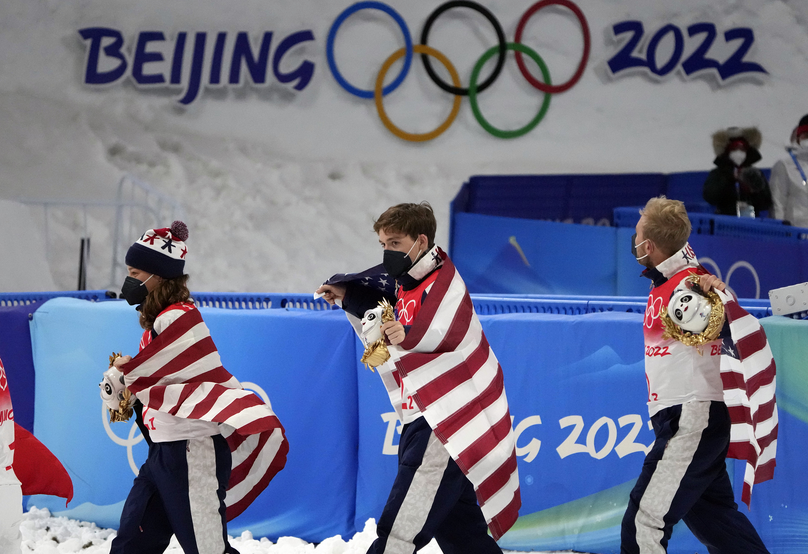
180	373
749	392
459	388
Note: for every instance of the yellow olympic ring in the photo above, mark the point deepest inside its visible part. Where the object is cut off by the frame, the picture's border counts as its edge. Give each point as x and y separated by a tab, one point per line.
377	94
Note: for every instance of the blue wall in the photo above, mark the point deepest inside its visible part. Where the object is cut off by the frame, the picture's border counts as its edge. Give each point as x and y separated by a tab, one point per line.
575	384
562	258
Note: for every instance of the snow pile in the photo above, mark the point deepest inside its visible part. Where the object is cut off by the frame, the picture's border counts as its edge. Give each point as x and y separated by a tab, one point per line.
280	187
45	534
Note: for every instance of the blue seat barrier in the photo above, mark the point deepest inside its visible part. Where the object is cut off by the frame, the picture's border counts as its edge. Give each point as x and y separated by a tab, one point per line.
484	304
25	298
259	301
491	304
723	225
575	198
228	300
583	198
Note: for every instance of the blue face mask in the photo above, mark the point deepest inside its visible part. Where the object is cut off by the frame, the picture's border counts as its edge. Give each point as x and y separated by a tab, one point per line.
134	291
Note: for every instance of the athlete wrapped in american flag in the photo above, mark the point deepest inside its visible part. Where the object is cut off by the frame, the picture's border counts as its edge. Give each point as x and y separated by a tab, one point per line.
213	446
710	395
457	477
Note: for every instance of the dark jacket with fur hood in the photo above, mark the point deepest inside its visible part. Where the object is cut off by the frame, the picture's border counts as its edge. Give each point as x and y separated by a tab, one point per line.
720	186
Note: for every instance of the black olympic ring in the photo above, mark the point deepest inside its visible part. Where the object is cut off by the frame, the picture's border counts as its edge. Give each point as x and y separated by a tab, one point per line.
446	6
499	50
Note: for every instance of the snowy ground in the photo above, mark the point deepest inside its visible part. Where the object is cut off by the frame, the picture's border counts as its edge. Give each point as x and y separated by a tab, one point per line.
45	534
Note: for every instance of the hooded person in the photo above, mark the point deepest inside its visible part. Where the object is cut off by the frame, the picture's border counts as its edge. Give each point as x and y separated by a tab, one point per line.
213	446
789	183
735	187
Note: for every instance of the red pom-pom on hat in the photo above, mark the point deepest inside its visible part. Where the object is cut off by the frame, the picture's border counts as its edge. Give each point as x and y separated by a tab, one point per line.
179	230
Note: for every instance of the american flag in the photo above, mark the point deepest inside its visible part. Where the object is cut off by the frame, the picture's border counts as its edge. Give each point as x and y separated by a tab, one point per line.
374	278
748	374
180	373
459	388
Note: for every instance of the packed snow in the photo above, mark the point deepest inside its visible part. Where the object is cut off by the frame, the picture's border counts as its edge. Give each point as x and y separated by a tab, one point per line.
44	534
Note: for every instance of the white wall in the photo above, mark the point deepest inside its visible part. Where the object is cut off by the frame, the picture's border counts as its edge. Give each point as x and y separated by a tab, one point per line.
22	251
281	186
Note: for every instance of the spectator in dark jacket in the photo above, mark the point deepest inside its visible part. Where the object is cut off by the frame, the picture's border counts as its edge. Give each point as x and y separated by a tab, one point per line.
734	187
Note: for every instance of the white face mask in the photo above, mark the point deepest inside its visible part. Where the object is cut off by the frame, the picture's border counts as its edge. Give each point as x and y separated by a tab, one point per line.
737	157
637	246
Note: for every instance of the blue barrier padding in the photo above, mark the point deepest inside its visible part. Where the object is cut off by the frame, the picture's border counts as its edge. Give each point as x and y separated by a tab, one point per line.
505	255
508	255
778	504
750	266
304	360
459	203
576	389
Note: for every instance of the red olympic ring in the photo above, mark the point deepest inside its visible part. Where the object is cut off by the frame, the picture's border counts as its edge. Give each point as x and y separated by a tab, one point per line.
553	89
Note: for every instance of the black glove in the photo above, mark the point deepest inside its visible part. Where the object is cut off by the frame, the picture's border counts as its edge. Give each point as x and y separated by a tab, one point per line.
752	177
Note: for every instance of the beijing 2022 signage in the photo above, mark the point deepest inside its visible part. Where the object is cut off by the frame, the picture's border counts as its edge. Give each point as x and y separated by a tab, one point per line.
191	62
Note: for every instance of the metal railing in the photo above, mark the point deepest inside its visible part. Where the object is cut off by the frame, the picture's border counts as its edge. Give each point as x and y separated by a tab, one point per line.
137	207
484	304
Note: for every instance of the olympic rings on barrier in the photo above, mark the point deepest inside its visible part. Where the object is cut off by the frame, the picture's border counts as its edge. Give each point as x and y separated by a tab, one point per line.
501	48
584	57
424	50
332	34
474	89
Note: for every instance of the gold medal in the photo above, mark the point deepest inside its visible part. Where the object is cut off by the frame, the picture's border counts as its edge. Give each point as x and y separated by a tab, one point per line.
377	353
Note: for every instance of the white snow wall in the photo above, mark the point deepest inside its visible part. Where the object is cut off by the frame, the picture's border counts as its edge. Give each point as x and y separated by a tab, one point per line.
281	185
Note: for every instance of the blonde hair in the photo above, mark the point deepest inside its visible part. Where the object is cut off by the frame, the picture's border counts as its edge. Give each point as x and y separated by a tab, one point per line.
666	224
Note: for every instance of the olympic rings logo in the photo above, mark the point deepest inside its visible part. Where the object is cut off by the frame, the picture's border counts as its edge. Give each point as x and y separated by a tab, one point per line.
474	87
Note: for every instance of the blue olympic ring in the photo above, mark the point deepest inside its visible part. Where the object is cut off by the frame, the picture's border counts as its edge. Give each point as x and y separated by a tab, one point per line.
332	35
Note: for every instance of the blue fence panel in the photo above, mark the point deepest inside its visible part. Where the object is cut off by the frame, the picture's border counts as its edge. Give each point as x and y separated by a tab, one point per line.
575	387
502	305
303	360
576	197
557	197
25	298
522	196
253	301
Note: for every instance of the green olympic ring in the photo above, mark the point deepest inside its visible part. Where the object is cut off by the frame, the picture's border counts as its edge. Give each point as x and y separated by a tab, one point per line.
475	107
475	88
